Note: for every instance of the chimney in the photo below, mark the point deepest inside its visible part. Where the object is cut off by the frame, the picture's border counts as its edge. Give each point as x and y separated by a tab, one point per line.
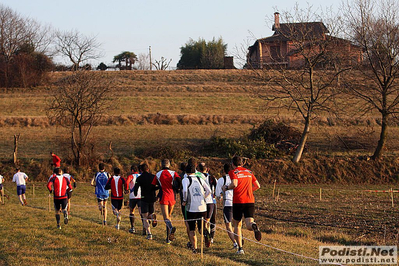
276	25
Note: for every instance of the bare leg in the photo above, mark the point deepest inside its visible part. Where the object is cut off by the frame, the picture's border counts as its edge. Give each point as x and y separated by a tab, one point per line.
229	229
238	233
193	239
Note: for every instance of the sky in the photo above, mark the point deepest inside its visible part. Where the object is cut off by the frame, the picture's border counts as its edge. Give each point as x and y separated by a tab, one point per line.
133	25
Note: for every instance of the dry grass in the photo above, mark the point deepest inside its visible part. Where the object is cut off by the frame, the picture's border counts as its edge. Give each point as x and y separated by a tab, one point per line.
300	223
190	106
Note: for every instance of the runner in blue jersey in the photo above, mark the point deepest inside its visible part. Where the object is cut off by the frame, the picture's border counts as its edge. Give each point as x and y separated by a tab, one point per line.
99	180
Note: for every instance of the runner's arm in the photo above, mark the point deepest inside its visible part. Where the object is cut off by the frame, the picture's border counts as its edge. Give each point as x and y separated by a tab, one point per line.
93	181
255	185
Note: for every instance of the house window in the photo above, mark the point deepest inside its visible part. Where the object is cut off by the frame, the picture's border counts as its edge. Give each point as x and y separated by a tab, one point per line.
275	53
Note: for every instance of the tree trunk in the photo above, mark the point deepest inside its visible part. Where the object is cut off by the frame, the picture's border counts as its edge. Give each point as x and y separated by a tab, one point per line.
383	136
304	137
15	154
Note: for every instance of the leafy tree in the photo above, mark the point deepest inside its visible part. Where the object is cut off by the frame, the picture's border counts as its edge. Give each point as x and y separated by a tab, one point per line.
202	55
77	104
374	25
102	66
129	58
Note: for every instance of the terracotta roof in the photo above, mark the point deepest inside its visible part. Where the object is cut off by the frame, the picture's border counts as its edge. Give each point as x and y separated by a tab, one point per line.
307	30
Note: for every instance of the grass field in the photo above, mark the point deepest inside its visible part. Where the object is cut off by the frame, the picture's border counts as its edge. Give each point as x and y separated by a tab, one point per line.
194	104
301	222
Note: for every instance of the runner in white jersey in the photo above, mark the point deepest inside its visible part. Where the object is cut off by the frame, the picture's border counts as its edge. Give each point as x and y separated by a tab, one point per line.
72	181
227	202
134	200
20	179
195	190
210	202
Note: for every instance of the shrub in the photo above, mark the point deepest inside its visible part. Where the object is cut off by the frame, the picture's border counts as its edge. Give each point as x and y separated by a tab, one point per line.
228	147
273	132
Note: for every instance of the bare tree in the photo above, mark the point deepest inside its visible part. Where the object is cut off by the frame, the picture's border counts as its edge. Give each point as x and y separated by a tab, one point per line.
375	27
303	61
77	47
77	104
162	64
17	33
143	61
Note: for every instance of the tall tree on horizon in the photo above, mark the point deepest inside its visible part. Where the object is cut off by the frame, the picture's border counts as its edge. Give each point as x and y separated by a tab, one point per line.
202	55
374	26
129	58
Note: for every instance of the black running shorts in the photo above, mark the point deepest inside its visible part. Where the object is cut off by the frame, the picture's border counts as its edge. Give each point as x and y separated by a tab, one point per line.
227	214
195	217
134	202
147	207
60	204
246	209
117	204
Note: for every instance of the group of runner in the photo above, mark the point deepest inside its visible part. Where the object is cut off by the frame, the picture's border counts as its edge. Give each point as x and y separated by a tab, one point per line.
198	190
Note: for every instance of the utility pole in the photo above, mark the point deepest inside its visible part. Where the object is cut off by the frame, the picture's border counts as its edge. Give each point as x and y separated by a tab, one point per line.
150	59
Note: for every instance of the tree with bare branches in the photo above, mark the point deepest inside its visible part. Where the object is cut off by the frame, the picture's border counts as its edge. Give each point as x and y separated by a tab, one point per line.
143	61
303	64
77	47
162	64
374	25
78	103
23	49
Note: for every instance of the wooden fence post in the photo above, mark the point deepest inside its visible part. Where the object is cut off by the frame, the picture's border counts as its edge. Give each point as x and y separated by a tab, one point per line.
392	197
274	187
49	196
202	238
15	154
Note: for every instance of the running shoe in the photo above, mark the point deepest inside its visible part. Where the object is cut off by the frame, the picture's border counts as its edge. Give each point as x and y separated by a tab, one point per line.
189	245
195	251
154	220
258	234
117	227
172	234
104	222
235	245
240	251
65	217
211	240
132	230
168	241
25	202
58	226
149	237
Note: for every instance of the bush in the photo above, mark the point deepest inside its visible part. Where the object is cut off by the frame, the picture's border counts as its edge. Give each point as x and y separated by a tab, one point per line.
273	133
255	149
269	140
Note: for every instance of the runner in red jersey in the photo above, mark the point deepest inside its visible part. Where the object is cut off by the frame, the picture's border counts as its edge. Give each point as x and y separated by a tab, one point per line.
56	160
118	186
165	179
244	184
61	186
